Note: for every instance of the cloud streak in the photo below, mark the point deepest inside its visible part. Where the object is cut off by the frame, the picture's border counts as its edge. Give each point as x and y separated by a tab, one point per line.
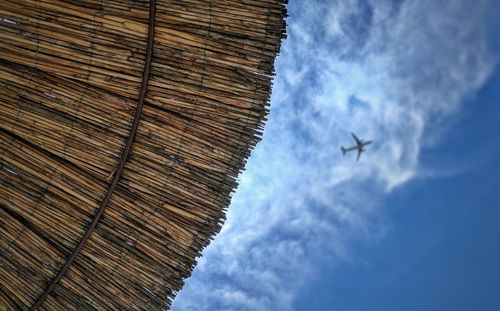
393	71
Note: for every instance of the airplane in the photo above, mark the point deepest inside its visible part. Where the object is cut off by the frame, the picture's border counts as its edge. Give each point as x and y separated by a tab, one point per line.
360	144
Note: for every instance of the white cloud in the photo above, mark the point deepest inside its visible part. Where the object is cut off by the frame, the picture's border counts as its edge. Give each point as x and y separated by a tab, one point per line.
388	72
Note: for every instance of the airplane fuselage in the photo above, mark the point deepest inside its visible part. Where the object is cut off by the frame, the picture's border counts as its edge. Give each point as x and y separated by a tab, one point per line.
358	146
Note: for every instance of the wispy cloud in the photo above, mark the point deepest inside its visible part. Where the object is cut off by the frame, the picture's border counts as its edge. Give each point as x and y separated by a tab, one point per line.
388	70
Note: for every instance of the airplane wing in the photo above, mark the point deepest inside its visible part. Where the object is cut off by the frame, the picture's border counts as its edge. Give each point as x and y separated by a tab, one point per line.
359	154
358	141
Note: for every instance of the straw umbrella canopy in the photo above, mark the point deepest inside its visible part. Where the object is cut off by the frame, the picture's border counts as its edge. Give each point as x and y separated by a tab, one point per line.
123	126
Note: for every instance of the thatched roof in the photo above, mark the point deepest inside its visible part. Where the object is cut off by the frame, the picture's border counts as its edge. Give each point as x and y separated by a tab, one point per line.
123	125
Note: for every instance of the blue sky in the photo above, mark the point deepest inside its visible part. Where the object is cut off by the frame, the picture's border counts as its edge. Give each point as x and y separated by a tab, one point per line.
414	224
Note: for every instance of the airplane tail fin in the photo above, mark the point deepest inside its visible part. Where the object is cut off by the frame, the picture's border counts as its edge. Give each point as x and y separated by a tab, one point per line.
343	150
